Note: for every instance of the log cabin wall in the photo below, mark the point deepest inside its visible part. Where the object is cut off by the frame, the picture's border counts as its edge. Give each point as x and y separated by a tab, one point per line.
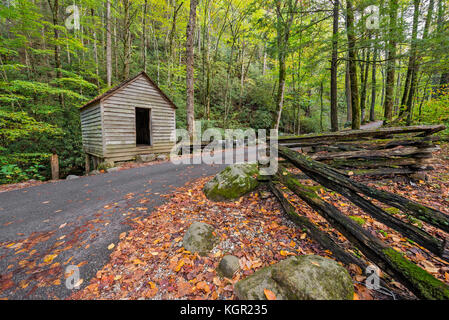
118	120
92	133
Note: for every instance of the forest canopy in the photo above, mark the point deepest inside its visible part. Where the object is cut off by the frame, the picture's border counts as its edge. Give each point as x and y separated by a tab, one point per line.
299	66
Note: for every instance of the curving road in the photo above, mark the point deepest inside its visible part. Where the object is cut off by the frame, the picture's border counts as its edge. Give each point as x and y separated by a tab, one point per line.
44	229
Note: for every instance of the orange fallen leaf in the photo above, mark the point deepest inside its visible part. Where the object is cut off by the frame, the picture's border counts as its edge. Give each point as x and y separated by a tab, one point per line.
49	258
269	294
179	266
202	285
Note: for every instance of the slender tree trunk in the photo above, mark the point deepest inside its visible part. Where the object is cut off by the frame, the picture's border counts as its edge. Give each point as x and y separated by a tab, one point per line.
321	106
364	83
283	25
389	84
190	100
264	68
108	44
372	116
348	93
94	35
352	66
126	39
334	106
144	36
57	49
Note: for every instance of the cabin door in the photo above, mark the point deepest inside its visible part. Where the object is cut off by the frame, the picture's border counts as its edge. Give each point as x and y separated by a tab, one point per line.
143	126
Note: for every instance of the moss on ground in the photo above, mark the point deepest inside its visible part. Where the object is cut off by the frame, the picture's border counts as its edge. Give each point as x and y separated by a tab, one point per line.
357	219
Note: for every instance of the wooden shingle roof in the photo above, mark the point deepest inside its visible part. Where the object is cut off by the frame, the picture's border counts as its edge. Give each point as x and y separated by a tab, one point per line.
123	84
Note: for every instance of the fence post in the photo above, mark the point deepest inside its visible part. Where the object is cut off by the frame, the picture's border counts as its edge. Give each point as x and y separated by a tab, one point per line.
54	166
87	164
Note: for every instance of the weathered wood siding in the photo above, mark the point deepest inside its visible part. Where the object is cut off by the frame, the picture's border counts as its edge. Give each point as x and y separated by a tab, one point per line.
119	125
92	131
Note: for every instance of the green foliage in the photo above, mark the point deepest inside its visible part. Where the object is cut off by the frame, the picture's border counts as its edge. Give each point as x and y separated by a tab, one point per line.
237	70
23	166
436	111
310	125
18	125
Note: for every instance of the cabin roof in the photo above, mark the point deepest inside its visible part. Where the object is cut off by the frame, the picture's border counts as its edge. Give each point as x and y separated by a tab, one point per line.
123	84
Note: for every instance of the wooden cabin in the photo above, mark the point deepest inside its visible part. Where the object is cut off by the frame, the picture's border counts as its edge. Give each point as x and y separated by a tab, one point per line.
133	118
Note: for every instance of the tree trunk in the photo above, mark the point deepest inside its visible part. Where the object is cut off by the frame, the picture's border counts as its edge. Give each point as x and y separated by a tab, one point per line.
144	36
108	44
57	49
190	33
389	84
283	26
126	39
364	83
352	66
94	35
372	115
348	94
334	106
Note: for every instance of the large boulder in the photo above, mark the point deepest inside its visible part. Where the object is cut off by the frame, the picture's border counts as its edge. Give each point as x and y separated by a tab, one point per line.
199	238
233	182
306	277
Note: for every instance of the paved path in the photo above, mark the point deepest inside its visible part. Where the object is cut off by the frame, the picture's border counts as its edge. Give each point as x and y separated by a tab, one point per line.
372	125
46	228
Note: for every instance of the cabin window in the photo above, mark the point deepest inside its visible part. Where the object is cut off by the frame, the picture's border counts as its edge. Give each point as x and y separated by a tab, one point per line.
143	126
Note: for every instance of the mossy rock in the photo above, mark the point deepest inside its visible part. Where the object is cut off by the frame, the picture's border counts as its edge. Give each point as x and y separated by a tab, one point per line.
105	165
199	238
307	277
233	182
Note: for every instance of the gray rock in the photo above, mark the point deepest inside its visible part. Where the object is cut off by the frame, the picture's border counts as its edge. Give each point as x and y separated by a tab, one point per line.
145	157
199	238
71	177
115	169
162	157
233	182
94	172
228	266
307	277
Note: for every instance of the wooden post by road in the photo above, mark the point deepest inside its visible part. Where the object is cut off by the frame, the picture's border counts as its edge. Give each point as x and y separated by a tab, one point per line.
87	164
54	166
